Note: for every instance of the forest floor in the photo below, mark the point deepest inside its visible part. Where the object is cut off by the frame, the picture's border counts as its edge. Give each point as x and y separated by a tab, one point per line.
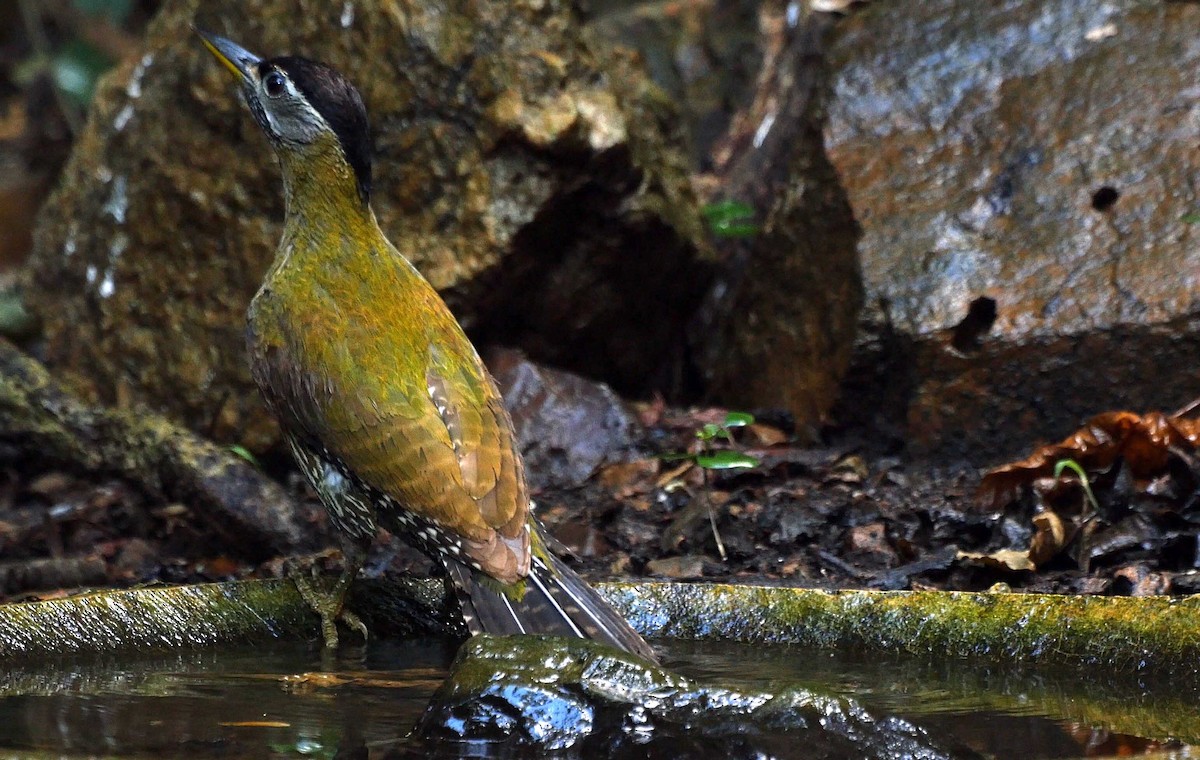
835	516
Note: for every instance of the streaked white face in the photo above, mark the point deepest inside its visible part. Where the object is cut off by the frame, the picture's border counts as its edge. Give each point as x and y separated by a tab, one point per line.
282	111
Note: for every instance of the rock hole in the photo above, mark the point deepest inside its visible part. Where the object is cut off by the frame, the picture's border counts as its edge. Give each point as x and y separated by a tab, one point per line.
981	315
1104	197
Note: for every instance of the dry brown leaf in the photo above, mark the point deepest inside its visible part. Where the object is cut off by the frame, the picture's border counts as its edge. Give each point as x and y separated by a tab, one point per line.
765	435
1004	559
674	473
628	478
1049	538
650	413
1144	441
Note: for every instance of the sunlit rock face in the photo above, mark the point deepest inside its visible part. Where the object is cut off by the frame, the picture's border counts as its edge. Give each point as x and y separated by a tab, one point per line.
537	184
1039	156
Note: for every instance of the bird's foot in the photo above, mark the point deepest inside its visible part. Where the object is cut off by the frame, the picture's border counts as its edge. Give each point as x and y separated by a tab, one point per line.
329	604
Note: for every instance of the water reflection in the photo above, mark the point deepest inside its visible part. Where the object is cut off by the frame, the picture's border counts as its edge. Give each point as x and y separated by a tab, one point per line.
288	703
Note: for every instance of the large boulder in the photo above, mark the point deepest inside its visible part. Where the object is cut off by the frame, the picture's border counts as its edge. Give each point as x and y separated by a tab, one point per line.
538	185
1031	162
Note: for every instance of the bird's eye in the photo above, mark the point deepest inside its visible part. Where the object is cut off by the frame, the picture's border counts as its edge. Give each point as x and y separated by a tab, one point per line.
274	84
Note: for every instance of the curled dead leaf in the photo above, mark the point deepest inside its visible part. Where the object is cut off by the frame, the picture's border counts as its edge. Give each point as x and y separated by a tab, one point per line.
629	478
1143	441
765	435
1049	538
1012	560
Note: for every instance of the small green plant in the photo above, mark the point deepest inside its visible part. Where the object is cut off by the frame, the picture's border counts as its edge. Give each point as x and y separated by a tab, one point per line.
707	456
1075	467
730	219
711	458
75	62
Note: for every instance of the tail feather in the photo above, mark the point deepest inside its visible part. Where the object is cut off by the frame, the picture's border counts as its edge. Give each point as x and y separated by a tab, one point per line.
556	601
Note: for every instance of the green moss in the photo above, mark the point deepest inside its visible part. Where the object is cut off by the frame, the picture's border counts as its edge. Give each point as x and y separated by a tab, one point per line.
155	619
1139	634
1130	635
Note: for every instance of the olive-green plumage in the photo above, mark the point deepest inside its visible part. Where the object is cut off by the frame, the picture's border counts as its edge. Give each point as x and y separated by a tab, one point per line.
389	411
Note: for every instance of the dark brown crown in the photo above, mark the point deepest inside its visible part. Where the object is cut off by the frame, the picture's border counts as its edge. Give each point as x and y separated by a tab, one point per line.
339	103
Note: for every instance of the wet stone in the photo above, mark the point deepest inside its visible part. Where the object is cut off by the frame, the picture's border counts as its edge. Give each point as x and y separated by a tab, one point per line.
548	693
567	426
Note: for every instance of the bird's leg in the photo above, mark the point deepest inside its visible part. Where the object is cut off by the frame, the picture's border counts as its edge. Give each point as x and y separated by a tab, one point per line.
331	605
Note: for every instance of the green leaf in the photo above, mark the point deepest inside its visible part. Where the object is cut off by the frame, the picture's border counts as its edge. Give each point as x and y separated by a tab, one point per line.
1190	218
731	219
244	453
726	460
76	68
735	229
725	210
738	419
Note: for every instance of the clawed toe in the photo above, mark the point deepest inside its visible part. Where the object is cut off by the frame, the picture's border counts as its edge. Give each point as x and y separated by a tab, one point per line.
329	606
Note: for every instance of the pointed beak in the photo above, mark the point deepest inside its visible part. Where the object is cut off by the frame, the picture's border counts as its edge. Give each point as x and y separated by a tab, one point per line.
237	59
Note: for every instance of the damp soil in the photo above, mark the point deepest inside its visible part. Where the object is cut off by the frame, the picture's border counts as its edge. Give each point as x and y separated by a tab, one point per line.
850	514
839	515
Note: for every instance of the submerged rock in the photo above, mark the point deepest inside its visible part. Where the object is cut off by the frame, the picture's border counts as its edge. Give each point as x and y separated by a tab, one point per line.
538	185
585	700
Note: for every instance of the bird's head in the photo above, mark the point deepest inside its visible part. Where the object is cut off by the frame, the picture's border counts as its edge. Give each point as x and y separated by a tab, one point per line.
305	108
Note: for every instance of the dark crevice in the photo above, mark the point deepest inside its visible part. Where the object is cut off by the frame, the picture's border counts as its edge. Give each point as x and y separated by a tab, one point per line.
981	315
1105	197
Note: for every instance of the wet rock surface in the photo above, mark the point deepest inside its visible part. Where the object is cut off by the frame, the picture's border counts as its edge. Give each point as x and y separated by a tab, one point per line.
567	426
575	697
1039	156
527	177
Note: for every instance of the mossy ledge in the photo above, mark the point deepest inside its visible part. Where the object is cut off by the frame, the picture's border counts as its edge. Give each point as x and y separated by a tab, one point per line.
1156	633
1129	633
208	615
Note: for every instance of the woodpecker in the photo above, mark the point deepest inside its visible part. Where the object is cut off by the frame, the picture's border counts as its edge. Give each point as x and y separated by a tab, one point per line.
385	404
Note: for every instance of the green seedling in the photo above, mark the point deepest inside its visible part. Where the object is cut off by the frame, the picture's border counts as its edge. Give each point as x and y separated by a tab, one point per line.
708	457
1075	467
244	453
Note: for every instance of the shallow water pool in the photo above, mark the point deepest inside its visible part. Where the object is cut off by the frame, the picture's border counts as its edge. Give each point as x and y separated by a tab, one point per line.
287	702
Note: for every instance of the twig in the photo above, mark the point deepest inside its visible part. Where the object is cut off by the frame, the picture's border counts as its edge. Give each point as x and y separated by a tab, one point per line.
1187	408
712	521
